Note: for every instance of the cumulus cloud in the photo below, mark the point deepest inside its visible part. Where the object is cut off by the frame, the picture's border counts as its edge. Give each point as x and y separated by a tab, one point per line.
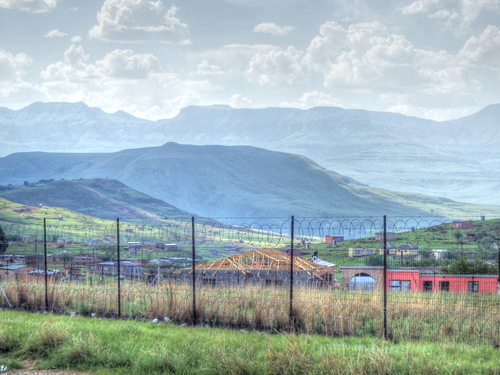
122	79
55	34
421	7
73	68
136	20
205	68
76	39
127	64
277	66
119	63
482	50
315	99
273	29
456	16
31	6
239	101
362	54
13	67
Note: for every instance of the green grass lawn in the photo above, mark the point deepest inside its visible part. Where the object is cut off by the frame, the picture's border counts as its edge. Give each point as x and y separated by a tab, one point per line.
133	347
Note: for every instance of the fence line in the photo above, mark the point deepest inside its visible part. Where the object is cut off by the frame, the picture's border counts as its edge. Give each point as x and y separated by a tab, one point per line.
366	300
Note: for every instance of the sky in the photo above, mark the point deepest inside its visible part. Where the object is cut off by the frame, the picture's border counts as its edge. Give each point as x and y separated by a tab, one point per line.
435	59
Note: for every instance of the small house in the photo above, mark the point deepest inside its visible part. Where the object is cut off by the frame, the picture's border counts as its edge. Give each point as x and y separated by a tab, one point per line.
403	250
333	239
106	268
462	224
134	246
440	254
12	270
171	247
63	241
361	252
132	269
390	236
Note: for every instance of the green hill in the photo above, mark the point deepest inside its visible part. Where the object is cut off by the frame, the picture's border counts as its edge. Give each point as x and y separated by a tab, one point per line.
222	181
101	198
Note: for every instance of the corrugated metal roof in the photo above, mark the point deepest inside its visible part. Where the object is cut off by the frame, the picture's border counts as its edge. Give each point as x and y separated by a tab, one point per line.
13	267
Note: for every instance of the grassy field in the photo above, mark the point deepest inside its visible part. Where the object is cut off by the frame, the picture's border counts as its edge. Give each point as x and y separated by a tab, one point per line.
130	347
441	236
410	316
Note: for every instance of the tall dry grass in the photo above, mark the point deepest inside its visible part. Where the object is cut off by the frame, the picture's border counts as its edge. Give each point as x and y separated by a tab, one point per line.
429	316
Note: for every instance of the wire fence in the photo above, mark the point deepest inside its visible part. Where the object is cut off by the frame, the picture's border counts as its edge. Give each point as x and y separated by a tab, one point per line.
399	278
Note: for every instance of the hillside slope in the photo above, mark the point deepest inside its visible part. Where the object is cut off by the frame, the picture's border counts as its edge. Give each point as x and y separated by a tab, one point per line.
221	181
458	159
101	198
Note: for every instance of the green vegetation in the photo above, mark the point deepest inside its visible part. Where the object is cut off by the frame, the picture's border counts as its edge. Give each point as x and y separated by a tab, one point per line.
473	243
131	347
101	198
468	317
463	266
4	244
15	213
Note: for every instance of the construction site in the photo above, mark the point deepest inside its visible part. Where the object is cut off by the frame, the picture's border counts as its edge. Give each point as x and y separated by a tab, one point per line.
264	267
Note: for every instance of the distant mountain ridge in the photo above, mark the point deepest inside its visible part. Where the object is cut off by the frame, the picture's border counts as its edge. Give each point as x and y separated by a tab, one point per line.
459	159
230	181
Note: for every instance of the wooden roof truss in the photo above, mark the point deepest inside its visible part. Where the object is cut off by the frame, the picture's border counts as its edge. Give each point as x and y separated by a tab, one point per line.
264	260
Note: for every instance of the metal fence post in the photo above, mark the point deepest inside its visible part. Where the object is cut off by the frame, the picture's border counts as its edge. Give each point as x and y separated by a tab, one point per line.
498	281
118	265
292	324
385	278
193	265
45	264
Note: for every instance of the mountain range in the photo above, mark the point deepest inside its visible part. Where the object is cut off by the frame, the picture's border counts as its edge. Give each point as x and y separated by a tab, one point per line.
225	181
457	159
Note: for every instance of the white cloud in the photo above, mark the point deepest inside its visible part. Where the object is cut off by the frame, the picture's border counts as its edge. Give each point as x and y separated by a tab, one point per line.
363	54
314	99
13	87
55	34
76	39
239	101
136	20
162	95
73	68
31	6
127	64
456	16
13	67
421	7
119	63
205	68
122	80
482	50
276	66
273	29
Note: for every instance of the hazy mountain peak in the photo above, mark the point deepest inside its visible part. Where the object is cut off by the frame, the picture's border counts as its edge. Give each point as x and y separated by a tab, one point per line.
458	159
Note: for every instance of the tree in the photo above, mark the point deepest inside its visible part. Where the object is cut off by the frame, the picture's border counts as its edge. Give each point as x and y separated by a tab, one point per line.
458	235
3	242
374	260
463	266
108	252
